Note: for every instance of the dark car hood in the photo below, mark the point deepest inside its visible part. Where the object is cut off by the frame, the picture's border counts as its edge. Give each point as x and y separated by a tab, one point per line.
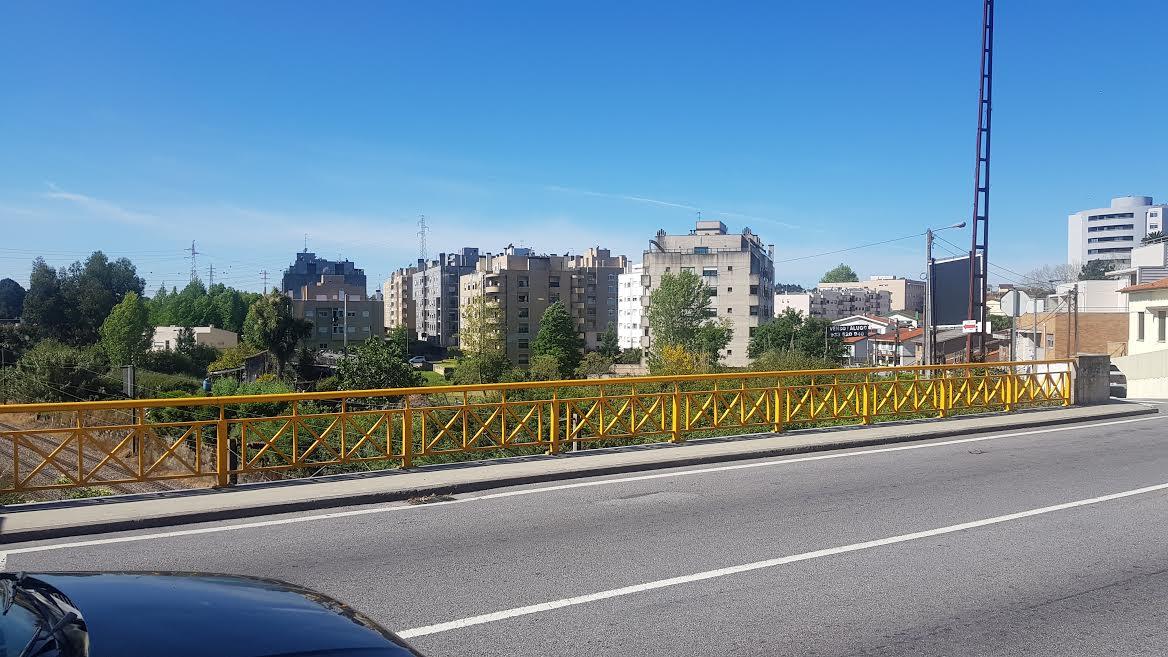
181	615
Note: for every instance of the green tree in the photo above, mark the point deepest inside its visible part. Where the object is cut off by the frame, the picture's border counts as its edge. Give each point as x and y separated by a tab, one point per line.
14	341
792	332
631	356
557	338
126	334
841	274
1095	270
305	363
543	368
593	364
271	325
399	341
610	342
11	299
44	305
233	357
1000	322
680	316
788	288
481	332
488	368
375	364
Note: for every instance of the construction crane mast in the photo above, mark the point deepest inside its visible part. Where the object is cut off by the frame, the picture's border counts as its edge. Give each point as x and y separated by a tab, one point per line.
975	343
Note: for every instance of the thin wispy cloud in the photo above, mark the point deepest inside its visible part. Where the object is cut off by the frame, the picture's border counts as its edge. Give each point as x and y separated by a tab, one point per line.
668	204
101	208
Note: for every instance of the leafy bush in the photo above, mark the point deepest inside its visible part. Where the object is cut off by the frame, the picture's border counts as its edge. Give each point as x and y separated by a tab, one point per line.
151	384
53	372
233	357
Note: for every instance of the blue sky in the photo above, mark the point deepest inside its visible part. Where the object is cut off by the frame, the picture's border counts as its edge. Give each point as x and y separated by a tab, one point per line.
136	127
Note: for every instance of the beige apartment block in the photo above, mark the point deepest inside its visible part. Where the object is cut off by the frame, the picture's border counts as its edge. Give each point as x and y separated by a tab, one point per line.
166	337
341	313
525	284
738	268
904	293
399	299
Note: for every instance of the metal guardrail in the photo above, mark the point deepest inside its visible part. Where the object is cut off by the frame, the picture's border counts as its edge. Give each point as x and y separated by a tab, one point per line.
70	445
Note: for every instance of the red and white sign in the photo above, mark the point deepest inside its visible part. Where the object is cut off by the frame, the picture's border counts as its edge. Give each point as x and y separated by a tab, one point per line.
969	326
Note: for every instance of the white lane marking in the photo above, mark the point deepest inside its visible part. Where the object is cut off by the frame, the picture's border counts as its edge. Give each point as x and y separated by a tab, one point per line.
558	487
757	565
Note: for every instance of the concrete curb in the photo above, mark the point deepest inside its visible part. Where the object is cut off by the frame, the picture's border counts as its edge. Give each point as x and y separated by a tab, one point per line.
912	434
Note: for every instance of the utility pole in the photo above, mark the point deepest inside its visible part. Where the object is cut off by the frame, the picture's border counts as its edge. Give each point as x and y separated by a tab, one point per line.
210	274
929	332
975	343
345	320
264	275
1075	312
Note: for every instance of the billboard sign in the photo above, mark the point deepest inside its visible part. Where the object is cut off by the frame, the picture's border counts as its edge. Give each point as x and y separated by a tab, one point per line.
950	291
853	331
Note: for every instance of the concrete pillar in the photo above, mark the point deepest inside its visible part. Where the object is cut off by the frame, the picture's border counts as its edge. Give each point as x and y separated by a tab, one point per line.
1092	379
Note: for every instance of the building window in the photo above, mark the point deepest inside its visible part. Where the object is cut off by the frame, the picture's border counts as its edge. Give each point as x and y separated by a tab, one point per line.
729	311
524	312
754	310
754	289
709	271
522	359
729	290
522	298
553	297
1161	329
1050	341
687	270
523	328
701	249
522	282
553	281
1139	326
522	343
730	268
364	329
752	331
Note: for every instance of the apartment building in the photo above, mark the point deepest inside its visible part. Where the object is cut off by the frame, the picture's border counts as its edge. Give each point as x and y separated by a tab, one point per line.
435	293
628	313
1111	233
836	303
525	284
738	268
904	294
398	295
340	312
307	270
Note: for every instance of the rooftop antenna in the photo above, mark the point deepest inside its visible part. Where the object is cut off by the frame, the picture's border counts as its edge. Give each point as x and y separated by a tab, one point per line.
422	229
194	264
306	242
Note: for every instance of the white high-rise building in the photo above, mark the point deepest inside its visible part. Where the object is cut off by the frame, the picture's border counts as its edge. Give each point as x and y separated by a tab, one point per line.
1111	233
629	292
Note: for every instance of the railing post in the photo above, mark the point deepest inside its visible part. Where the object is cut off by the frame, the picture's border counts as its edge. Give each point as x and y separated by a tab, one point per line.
869	399
80	447
677	426
408	435
140	439
1008	391
942	393
554	429
222	450
778	407
1067	386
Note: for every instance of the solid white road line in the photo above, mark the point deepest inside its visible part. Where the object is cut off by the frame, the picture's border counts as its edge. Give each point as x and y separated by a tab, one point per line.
557	487
757	565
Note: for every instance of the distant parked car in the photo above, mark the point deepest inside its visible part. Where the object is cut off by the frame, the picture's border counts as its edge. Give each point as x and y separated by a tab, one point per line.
181	615
1118	383
418	361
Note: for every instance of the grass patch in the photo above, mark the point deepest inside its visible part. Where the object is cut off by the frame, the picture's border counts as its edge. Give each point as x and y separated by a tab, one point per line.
431	378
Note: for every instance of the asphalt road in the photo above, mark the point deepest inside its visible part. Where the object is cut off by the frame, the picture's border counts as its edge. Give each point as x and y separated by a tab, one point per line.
1083	579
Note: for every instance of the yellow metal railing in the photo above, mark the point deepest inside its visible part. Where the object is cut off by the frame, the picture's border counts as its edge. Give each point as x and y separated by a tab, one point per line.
219	439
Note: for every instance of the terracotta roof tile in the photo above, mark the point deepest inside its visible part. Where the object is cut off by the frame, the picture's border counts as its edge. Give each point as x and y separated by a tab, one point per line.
1161	284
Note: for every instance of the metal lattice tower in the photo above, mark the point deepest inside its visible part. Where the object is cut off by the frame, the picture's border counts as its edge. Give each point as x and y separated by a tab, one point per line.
422	228
975	343
194	264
